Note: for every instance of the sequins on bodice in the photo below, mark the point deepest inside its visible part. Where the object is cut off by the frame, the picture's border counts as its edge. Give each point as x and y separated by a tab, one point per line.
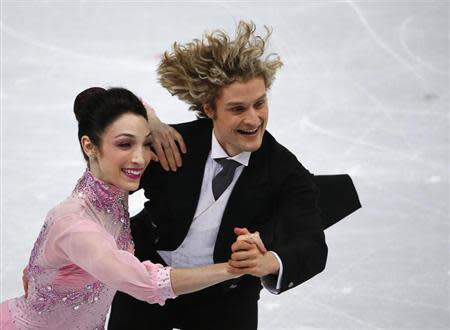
108	199
50	302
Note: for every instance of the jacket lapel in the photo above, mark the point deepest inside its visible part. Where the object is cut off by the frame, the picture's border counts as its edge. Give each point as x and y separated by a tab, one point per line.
184	185
243	202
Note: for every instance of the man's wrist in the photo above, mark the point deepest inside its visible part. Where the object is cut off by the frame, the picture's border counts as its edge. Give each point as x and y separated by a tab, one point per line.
273	264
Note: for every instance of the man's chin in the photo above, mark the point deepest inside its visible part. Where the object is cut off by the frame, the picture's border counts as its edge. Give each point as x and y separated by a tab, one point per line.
251	147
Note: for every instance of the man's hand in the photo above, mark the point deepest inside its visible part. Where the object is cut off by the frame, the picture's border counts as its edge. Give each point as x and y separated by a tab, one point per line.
166	141
25	280
244	235
250	255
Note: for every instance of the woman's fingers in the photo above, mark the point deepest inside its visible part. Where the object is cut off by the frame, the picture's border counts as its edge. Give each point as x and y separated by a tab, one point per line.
255	239
168	143
177	137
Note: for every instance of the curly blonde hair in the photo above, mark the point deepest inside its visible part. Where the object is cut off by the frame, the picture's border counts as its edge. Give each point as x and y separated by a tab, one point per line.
196	71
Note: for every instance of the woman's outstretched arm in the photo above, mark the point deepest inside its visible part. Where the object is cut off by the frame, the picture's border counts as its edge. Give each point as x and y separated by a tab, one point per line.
186	280
86	244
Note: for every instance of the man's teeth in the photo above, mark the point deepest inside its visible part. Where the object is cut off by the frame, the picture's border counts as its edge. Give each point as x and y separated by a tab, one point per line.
132	172
248	131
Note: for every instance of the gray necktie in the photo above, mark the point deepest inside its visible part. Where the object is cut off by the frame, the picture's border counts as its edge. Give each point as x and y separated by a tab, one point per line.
223	179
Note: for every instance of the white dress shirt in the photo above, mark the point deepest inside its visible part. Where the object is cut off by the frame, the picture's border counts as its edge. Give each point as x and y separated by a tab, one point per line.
198	246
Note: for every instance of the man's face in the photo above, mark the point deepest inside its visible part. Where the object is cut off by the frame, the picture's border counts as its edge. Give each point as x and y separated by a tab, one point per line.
241	115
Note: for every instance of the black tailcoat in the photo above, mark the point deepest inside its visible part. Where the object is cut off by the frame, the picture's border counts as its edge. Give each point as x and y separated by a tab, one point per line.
274	195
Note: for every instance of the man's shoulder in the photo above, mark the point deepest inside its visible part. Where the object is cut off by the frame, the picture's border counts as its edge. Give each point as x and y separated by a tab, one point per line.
279	159
193	127
282	166
276	149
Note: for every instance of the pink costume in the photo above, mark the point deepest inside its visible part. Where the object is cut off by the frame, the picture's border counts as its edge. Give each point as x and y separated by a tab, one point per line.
83	254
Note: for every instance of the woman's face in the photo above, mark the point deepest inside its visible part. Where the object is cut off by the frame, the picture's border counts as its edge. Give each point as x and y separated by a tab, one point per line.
124	152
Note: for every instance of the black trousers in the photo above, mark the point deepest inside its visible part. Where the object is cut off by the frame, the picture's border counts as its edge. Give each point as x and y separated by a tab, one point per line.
205	310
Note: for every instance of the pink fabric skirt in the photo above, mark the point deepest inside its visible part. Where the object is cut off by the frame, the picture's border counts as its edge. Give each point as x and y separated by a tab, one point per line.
6	321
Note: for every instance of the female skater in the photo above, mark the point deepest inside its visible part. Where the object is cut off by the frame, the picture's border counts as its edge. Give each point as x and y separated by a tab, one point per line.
84	252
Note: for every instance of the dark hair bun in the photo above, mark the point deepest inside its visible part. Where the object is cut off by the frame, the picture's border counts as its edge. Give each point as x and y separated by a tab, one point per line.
83	98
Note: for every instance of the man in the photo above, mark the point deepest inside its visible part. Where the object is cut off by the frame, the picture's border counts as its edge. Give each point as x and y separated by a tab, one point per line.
236	179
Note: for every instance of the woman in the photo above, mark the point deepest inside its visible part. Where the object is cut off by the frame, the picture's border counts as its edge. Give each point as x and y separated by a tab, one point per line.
84	252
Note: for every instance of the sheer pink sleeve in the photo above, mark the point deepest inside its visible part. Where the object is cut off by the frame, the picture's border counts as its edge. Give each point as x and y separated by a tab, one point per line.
89	246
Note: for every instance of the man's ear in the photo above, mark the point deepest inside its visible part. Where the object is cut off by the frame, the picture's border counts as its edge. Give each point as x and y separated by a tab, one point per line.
209	111
88	147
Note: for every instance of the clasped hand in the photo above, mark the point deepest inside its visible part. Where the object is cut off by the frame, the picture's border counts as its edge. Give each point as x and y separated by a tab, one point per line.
250	256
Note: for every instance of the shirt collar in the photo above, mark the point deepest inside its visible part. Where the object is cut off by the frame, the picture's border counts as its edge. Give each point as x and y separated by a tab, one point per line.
218	152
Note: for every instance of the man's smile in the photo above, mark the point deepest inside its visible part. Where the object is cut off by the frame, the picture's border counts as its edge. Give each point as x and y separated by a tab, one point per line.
249	132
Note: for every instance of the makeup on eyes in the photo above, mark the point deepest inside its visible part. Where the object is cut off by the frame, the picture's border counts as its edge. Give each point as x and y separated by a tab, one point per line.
124	143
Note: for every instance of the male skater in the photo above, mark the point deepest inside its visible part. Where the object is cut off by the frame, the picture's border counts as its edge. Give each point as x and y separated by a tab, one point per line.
235	179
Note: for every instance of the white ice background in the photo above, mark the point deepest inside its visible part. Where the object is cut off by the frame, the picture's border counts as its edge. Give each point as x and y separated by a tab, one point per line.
364	90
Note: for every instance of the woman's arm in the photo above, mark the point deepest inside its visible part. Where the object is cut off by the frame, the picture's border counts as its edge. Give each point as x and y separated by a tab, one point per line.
186	280
90	247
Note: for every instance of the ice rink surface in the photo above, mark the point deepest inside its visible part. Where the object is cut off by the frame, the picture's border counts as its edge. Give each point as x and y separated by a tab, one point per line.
364	90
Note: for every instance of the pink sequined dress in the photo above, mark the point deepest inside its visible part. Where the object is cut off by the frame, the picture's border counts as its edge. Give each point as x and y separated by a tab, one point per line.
83	254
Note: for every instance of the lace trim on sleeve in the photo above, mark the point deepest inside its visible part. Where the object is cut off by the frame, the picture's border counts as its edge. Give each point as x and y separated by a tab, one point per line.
160	276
